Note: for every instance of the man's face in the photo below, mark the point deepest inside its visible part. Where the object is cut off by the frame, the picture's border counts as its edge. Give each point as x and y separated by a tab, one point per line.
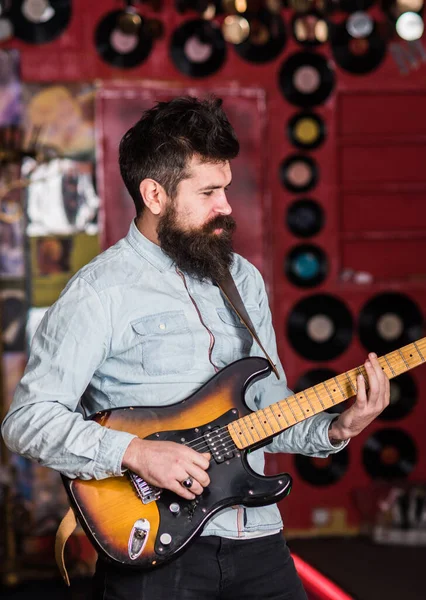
196	228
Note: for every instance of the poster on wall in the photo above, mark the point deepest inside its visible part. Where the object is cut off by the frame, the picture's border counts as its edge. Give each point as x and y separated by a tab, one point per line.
54	260
60	116
119	106
61	197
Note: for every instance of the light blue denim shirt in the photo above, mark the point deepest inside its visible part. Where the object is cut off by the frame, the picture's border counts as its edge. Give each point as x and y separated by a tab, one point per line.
128	329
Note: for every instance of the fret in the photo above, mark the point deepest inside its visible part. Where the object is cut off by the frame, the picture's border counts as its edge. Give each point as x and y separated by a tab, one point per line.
359	371
275	417
403	358
309	402
329	393
243	425
272	407
292	412
336	379
238	435
421	355
389	365
269	421
261	417
318	396
251	426
350	381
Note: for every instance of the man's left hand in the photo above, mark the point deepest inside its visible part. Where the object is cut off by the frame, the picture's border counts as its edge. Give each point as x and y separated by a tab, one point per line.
366	406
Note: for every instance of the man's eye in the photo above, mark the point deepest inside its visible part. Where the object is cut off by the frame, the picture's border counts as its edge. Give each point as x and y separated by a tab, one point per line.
208	193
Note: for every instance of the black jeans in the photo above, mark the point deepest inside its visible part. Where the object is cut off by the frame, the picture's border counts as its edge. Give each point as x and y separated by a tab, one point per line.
212	568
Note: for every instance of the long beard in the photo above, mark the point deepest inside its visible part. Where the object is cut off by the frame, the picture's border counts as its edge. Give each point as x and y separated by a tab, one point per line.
199	252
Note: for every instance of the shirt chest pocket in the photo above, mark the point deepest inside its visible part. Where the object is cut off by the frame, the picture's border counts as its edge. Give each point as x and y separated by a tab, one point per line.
237	337
167	343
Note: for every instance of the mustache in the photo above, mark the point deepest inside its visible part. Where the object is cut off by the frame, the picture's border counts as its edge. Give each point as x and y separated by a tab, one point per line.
225	222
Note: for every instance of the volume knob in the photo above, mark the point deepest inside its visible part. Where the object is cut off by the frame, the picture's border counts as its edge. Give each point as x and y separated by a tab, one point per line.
174	508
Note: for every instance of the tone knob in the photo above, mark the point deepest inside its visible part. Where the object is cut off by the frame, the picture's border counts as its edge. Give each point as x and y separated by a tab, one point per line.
165	539
174	508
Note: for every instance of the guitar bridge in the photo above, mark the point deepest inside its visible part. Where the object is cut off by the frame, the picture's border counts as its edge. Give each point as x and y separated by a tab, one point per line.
146	492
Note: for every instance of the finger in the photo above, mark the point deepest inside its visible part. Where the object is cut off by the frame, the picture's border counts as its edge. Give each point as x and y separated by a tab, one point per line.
373	382
178	489
199	475
201	460
376	366
361	396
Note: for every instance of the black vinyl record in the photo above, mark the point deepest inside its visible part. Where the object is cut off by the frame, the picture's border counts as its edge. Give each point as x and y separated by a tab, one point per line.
357	56
268	26
310	29
389	454
299	173
306	265
33	28
389	321
352	6
306	79
319	327
198	48
125	57
322	471
403	398
316	377
306	130
305	218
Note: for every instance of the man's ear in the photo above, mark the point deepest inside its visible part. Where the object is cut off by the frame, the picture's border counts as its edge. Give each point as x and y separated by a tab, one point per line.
153	195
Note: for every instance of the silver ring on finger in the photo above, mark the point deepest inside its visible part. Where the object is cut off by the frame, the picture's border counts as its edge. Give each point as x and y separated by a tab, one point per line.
187	483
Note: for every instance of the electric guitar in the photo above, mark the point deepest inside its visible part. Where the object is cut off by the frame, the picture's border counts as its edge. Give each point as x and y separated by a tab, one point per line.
131	522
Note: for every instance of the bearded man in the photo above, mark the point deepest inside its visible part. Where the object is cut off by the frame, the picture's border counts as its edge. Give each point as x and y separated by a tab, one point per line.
145	324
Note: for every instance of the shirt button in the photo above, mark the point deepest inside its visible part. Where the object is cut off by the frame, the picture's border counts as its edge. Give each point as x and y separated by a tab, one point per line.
162	326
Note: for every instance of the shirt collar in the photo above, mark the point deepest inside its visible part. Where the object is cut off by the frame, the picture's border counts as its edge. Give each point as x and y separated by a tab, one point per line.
147	249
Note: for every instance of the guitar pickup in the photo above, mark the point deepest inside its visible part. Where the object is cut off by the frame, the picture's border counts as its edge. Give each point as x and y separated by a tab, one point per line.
220	444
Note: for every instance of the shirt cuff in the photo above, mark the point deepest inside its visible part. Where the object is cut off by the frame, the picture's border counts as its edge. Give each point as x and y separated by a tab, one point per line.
110	456
320	435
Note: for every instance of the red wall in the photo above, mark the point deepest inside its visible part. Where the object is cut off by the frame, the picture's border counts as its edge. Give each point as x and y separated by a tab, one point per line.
372	187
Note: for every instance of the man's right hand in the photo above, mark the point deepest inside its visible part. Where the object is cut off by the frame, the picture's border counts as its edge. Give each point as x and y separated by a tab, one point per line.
167	464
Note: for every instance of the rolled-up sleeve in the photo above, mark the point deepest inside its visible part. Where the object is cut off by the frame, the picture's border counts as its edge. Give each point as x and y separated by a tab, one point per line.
42	423
309	437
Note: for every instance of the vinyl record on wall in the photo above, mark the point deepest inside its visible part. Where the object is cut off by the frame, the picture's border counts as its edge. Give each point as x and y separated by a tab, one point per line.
122	40
306	79
38	22
316	377
198	48
306	130
320	327
403	398
309	29
299	173
306	265
266	39
357	55
305	218
389	321
322	471
389	454
352	6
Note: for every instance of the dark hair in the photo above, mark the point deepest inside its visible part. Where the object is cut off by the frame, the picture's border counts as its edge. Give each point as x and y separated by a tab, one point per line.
166	137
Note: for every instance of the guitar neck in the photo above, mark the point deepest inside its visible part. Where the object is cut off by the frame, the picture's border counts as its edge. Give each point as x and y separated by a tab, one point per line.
262	424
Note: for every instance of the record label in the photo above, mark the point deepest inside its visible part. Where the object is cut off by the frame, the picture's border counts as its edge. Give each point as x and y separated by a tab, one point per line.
389	321
41	21
306	130
305	218
319	327
198	48
266	39
120	47
389	454
322	471
306	79
299	173
357	55
306	265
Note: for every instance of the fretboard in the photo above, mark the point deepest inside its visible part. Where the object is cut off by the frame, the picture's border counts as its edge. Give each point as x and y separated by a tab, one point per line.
267	422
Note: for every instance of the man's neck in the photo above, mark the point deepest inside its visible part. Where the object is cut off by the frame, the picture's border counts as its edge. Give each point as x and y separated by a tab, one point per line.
148	227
